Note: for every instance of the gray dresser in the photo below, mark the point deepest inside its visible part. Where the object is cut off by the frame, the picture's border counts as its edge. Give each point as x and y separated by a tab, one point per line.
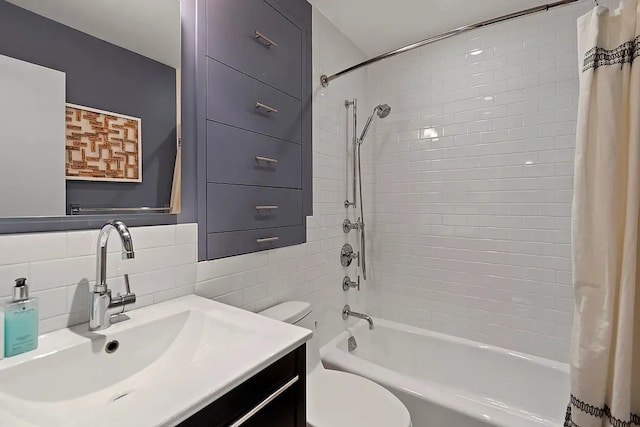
257	132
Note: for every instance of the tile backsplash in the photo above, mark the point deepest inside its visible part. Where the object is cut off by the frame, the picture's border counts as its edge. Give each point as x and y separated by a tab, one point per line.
60	267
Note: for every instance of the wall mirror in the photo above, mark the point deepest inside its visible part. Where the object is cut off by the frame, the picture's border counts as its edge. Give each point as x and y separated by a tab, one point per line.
90	108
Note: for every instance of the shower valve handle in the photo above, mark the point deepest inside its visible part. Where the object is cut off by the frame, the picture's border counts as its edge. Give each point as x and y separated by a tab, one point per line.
347	255
347	225
347	284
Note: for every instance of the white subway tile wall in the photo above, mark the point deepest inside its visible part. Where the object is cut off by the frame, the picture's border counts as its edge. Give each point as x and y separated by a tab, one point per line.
470	184
60	268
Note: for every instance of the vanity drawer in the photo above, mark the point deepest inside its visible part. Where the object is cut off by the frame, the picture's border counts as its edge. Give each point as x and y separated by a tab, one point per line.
274	397
239	207
236	99
221	245
237	156
239	34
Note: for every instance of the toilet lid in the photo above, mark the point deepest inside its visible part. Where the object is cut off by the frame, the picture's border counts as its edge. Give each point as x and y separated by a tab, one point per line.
337	399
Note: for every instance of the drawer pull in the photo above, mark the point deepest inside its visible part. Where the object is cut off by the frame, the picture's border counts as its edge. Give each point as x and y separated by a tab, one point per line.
266	107
267	207
273	396
266	159
268	240
269	42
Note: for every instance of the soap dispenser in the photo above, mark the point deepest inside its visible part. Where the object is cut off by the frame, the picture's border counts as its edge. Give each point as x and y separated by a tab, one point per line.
20	321
1	333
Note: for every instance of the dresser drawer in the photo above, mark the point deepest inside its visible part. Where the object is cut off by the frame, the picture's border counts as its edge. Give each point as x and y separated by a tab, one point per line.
274	397
237	156
241	207
240	33
220	245
236	99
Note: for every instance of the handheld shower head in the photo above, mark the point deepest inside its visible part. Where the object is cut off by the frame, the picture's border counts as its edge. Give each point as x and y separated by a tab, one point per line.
382	110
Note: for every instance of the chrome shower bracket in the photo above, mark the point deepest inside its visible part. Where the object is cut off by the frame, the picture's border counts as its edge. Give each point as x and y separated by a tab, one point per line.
347	255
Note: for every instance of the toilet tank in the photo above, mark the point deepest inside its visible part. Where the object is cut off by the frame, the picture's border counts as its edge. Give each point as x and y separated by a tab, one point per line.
292	312
298	313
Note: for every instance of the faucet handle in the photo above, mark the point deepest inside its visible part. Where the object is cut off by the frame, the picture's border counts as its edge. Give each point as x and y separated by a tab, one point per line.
347	283
129	297
127	286
123	300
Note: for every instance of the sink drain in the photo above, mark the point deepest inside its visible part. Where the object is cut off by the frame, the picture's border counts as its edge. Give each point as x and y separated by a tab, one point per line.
112	346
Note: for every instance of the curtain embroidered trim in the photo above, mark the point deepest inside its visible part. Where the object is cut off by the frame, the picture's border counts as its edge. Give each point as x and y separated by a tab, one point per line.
623	54
598	412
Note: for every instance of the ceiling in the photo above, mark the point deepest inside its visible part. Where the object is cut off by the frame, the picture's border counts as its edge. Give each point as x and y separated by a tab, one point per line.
148	27
378	26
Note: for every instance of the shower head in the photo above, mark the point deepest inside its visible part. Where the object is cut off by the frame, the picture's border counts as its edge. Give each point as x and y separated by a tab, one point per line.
382	110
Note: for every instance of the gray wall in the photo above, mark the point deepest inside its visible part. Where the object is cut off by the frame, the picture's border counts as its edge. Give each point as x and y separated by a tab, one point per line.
107	77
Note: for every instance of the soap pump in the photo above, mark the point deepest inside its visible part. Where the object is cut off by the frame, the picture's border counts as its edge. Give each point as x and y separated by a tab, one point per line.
20	321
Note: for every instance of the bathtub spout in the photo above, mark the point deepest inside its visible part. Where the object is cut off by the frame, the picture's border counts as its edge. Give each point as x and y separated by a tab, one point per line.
346	313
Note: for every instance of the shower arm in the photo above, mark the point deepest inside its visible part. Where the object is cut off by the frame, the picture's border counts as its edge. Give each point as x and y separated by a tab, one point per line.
382	111
366	128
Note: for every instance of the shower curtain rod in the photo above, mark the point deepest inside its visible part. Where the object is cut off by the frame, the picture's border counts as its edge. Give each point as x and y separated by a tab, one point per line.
324	79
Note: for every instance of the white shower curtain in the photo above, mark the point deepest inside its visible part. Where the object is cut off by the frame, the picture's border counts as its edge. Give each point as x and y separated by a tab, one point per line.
605	356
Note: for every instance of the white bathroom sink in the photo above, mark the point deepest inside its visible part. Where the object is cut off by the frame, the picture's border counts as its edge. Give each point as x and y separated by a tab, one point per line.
170	360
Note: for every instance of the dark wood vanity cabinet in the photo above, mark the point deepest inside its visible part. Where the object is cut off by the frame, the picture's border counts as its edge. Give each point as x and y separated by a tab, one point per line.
256	134
274	397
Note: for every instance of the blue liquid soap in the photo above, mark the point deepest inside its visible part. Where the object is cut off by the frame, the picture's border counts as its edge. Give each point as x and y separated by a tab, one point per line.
20	321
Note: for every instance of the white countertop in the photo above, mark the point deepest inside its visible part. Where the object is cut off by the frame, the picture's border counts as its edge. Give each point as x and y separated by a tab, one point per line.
172	387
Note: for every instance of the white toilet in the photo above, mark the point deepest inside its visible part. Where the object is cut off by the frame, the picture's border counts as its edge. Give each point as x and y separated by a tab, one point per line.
339	399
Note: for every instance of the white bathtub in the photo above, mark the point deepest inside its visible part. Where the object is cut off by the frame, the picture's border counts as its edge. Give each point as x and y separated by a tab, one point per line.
451	382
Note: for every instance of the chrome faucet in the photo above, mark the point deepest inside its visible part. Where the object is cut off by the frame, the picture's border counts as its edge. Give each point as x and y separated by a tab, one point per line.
102	306
346	313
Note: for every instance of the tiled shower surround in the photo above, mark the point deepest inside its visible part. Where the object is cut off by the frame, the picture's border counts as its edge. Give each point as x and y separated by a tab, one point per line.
470	184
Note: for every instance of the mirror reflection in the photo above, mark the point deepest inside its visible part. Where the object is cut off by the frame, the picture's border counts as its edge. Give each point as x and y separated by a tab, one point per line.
89	112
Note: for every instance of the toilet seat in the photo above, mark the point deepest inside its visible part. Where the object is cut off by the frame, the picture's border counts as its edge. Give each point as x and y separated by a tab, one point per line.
339	399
